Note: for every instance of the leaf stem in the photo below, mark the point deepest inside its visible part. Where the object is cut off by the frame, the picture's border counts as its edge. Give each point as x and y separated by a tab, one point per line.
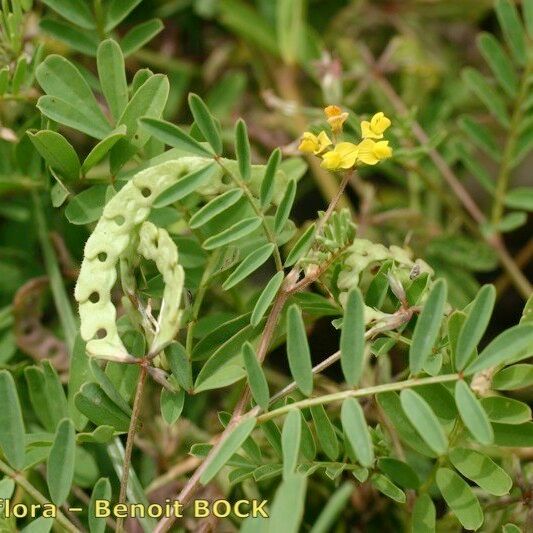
506	164
356	393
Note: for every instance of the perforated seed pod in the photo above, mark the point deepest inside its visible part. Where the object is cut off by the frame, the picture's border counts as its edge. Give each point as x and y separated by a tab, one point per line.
116	232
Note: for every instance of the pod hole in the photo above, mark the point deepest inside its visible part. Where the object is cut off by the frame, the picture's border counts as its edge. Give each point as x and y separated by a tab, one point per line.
29	329
101	333
94	297
102	257
53	352
120	220
146	192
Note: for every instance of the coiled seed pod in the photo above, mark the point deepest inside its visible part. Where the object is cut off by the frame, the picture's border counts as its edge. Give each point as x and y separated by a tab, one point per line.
119	229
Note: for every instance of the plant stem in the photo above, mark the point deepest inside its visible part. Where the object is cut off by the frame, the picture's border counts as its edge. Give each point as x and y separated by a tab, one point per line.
22	482
356	393
289	286
129	442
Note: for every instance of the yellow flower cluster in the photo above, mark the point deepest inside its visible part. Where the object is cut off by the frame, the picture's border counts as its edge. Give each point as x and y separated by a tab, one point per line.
345	155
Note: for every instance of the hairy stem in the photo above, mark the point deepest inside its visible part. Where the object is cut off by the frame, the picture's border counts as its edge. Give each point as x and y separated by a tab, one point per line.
289	286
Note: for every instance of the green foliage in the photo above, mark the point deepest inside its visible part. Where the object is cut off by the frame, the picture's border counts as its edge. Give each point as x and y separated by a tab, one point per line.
220	271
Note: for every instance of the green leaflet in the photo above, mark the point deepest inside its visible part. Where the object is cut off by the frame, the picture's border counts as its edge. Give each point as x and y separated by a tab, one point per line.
11	422
298	351
60	465
171	405
139	35
424	420
216	206
110	62
512	29
352	343
266	298
388	488
482	470
506	410
205	122
325	432
334	507
356	430
479	85
513	377
285	206
186	185
291	437
424	515
475	325
229	446
427	327
242	150
499	63
101	491
117	11
399	472
57	152
267	184
391	404
460	498
288	505
256	377
101	149
75	11
249	264
173	136
69	99
301	247
512	345
238	230
289	28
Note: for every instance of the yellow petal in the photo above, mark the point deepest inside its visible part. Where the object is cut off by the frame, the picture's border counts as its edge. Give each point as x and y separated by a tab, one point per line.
323	142
382	150
379	123
309	143
331	160
332	111
336	122
367	132
366	152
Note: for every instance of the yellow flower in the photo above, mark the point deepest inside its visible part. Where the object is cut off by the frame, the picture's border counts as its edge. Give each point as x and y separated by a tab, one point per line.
375	128
336	117
344	155
314	144
371	152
